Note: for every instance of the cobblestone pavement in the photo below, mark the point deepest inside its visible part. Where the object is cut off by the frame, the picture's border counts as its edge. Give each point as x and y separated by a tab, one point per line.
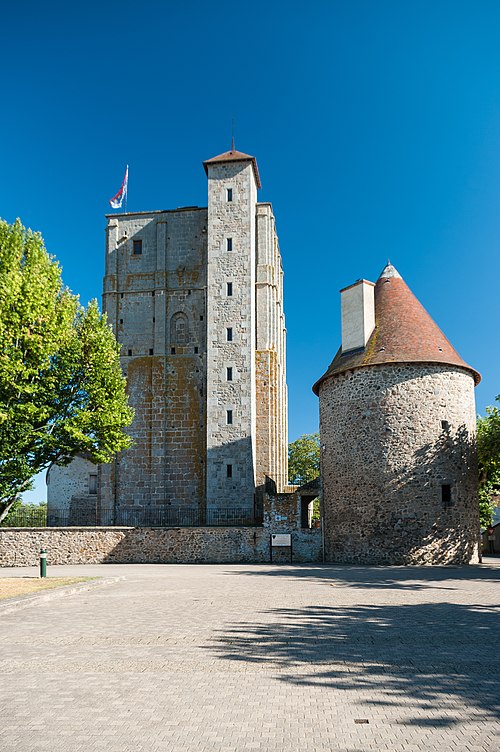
235	657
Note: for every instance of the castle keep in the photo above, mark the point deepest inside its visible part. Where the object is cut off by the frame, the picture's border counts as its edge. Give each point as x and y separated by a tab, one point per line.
195	297
397	426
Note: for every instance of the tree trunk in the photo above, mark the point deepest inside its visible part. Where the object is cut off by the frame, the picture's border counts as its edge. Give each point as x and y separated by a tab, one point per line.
6	506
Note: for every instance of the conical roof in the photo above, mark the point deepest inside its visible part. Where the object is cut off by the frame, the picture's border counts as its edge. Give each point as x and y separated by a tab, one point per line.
234	156
404	333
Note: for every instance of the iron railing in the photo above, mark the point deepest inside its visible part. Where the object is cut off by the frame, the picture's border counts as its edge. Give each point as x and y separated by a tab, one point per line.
134	517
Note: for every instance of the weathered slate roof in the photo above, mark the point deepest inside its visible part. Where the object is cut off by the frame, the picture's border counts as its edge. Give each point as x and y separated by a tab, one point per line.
235	156
404	333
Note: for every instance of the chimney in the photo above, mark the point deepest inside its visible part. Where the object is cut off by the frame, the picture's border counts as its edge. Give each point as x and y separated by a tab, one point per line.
358	314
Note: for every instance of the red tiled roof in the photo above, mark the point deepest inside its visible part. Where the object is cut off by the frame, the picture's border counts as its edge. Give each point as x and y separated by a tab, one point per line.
404	333
235	156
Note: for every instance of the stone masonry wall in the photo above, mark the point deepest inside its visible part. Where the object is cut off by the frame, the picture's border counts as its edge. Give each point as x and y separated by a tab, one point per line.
392	437
156	304
231	444
21	546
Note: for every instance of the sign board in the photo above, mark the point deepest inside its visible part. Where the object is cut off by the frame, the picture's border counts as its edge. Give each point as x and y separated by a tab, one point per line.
281	539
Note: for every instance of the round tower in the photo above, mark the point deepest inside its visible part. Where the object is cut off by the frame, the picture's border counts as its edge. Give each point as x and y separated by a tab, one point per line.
397	426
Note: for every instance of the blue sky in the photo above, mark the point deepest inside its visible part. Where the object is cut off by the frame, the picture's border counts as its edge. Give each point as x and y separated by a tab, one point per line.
375	123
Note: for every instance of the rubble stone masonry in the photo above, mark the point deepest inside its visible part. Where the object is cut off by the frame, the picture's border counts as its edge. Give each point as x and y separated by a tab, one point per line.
399	465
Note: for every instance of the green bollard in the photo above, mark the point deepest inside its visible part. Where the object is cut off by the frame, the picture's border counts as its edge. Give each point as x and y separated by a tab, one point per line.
43	563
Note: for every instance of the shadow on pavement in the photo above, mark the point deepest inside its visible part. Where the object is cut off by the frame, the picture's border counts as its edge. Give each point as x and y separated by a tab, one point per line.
415	659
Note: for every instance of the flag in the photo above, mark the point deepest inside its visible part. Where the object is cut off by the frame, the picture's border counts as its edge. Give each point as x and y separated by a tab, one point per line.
117	201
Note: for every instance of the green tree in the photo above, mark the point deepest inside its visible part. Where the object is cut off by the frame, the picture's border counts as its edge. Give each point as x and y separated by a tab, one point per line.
62	391
303	459
488	450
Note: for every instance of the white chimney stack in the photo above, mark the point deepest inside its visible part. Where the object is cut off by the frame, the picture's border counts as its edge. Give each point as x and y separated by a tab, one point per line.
358	314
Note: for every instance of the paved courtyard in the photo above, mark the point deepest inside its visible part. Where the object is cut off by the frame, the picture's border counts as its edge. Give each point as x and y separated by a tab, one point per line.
235	657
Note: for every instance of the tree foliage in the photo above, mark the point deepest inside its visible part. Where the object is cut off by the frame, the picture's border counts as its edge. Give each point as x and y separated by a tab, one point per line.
488	449
62	391
303	459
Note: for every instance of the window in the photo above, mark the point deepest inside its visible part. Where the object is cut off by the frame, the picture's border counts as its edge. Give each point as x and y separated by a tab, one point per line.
172	351
445	425
229	373
196	351
121	295
229	417
179	329
229	289
92	483
151	352
137	247
229	194
446	495
229	334
229	471
121	321
129	352
154	319
229	244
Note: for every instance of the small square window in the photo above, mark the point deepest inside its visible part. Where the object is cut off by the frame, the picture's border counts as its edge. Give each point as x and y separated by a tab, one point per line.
172	351
151	351
445	425
229	417
229	244
92	484
229	373
137	247
229	471
229	334
229	289
446	495
229	194
121	321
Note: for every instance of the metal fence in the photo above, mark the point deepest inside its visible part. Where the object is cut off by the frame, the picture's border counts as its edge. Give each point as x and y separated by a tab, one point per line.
134	517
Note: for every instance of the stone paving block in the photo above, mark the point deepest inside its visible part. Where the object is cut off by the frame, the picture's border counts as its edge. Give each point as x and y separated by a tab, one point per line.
194	658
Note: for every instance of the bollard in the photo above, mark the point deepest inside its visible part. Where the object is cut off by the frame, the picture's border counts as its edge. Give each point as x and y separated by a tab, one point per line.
43	563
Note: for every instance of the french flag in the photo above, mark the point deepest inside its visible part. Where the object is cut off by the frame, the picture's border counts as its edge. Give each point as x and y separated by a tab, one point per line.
117	201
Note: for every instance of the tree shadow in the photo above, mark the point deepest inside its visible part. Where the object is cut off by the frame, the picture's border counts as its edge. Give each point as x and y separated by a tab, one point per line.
379	577
432	653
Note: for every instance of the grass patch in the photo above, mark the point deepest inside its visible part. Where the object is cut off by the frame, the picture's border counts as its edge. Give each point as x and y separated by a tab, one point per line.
13	587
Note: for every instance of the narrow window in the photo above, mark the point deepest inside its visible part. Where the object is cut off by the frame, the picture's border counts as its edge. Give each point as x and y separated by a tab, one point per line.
229	373
172	351
153	294
229	471
445	425
154	319
196	351
229	244
229	289
229	417
229	334
92	483
137	247
121	295
121	321
229	194
129	352
446	495
201	318
151	351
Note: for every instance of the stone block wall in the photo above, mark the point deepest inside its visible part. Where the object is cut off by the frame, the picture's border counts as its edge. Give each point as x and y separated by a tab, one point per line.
396	439
21	546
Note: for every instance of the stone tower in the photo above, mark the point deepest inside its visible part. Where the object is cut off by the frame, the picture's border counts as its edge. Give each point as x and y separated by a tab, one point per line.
195	296
397	425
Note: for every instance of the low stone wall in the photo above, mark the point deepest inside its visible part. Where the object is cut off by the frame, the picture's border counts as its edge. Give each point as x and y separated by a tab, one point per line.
133	545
